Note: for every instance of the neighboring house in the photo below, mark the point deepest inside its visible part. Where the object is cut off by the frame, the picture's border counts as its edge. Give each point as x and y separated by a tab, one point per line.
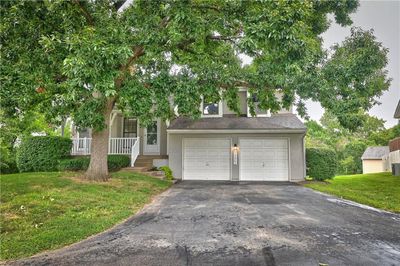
397	112
394	145
373	159
219	146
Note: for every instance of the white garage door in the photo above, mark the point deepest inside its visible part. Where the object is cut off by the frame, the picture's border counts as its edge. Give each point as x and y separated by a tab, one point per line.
264	159
206	159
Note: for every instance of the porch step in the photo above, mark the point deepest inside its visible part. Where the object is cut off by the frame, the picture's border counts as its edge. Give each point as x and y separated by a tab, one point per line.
140	163
139	169
147	160
145	171
152	157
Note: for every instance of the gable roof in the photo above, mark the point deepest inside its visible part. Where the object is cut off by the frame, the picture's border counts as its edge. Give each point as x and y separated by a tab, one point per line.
397	112
275	122
375	153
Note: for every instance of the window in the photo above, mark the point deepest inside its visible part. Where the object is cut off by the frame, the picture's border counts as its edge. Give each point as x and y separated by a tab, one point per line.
259	112
211	108
130	128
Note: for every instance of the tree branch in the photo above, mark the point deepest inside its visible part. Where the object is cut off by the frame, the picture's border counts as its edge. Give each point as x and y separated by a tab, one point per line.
85	13
138	51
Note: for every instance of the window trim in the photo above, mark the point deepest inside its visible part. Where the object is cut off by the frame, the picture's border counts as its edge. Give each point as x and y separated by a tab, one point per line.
123	127
268	114
220	109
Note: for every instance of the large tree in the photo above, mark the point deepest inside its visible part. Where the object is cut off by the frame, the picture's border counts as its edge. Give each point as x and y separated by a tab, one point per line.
83	58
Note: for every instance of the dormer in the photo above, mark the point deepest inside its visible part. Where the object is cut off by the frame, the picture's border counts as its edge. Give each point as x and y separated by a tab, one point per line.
220	108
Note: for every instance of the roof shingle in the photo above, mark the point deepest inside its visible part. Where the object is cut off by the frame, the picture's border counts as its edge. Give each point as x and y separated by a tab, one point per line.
375	152
275	122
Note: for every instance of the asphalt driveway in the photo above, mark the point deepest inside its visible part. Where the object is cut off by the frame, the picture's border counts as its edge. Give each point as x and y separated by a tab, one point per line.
203	223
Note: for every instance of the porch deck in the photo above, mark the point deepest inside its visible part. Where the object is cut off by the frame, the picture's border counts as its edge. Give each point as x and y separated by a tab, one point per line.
126	146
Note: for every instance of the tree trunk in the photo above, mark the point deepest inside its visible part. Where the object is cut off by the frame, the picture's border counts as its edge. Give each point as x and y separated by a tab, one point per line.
98	168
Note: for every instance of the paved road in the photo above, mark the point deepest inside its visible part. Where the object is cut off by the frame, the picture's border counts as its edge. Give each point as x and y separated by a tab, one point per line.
198	223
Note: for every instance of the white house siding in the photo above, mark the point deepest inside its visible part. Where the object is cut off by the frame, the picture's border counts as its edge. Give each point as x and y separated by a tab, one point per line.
373	166
393	157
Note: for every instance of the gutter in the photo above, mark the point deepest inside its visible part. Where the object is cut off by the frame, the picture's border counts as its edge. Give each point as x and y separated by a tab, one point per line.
177	131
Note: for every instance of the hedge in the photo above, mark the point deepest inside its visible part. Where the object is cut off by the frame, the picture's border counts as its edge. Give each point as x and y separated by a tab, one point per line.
8	167
42	153
115	162
321	163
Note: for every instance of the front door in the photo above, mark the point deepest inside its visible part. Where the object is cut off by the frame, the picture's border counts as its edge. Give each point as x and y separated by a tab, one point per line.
152	138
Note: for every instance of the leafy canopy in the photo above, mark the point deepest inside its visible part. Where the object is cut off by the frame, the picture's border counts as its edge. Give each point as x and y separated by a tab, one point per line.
75	57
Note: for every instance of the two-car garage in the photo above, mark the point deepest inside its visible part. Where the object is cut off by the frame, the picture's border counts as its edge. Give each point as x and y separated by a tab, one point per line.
258	159
237	148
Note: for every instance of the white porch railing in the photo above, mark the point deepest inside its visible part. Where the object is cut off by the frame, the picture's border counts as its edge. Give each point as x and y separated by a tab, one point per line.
135	152
81	146
128	146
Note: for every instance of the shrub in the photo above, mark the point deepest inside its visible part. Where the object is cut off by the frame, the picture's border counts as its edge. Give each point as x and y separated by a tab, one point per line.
321	163
168	172
42	153
115	162
8	166
74	164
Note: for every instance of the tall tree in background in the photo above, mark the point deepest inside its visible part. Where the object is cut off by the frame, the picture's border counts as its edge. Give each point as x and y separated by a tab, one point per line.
348	144
83	58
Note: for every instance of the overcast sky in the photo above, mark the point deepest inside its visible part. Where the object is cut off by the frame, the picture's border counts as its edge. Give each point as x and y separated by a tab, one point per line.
384	18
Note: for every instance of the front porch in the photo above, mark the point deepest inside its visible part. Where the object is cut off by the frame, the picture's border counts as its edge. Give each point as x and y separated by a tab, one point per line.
124	146
127	137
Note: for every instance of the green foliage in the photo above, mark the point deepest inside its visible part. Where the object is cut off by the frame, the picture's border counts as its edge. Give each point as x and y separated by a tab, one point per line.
167	172
7	163
349	145
350	157
75	58
74	164
115	162
11	130
382	138
42	153
321	163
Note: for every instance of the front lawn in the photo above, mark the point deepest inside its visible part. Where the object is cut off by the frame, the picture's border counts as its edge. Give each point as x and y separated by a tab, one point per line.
380	190
41	211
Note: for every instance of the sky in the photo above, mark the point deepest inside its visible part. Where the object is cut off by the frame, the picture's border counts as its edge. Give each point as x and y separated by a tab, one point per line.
384	18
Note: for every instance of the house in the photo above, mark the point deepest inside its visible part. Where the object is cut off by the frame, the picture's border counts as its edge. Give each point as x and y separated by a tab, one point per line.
394	145
397	112
373	159
220	145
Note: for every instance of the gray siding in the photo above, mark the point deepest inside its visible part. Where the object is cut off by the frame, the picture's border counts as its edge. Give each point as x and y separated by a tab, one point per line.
296	152
242	104
117	132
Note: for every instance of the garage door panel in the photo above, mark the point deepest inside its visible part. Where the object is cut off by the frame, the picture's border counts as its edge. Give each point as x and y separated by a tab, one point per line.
206	159
263	159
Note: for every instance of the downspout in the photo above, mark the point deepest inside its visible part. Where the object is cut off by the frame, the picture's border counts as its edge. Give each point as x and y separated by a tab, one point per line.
304	157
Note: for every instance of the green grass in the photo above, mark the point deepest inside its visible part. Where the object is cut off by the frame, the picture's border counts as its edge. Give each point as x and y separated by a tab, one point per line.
42	211
380	190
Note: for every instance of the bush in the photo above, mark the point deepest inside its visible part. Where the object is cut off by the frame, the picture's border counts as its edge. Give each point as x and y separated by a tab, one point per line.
321	163
74	164
115	162
168	172
42	153
8	167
